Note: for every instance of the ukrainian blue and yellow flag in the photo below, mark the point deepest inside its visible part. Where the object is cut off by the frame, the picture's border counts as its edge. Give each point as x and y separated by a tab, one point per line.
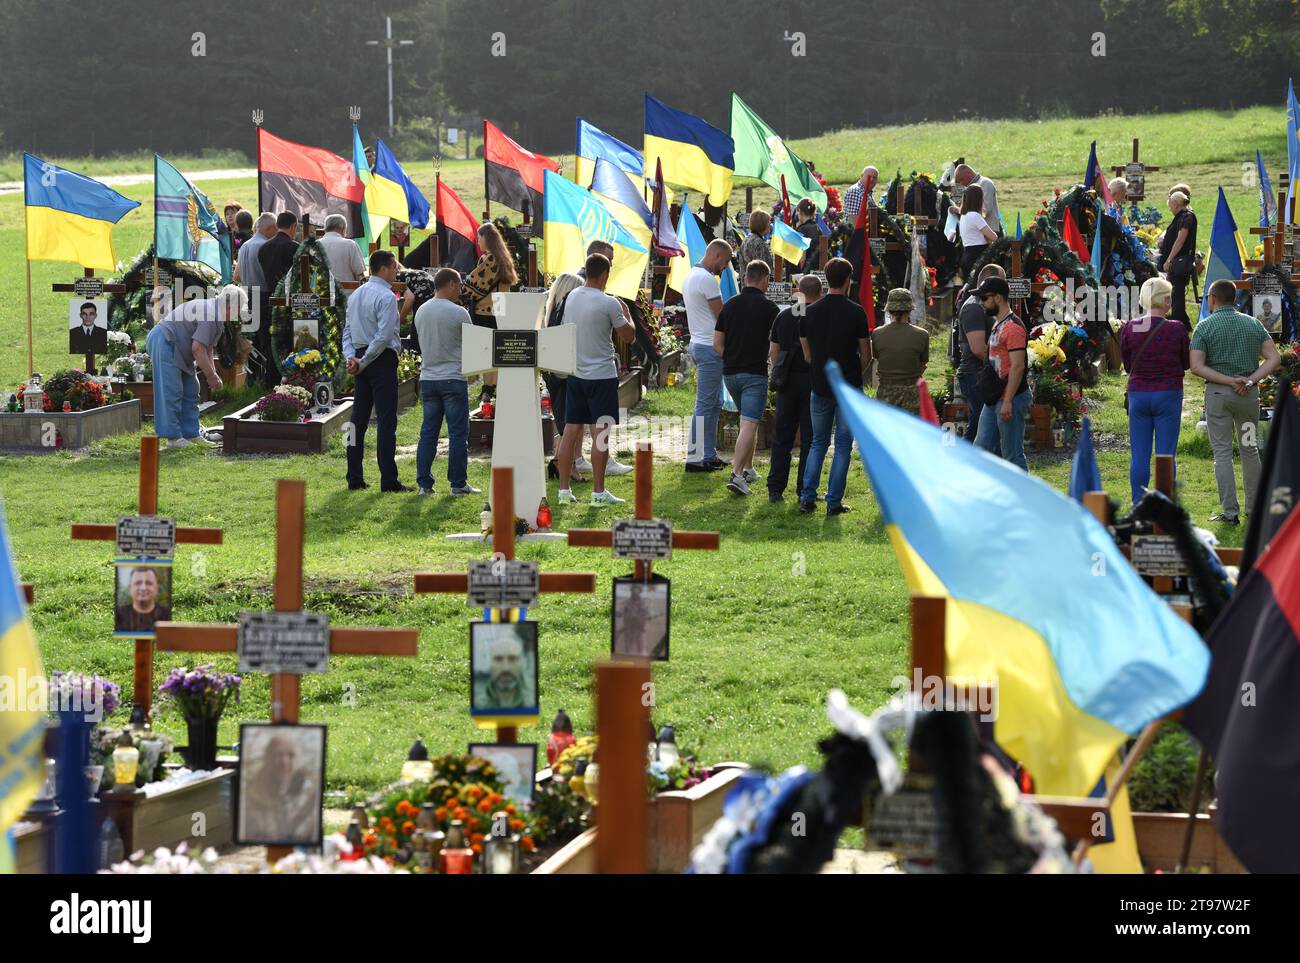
695	154
186	224
623	201
394	195
22	725
372	225
70	217
574	217
688	234
787	242
1227	258
1292	145
1078	667
594	145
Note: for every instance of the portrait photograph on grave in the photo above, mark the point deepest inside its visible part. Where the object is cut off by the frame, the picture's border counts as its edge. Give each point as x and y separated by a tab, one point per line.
143	596
281	784
306	334
88	326
503	669
515	763
1267	309
640	617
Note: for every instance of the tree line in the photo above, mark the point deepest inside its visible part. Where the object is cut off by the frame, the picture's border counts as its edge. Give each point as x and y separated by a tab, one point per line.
127	75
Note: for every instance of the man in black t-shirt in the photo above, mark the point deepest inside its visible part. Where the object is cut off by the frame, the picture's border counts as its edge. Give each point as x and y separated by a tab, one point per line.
275	257
973	326
740	337
833	329
793	411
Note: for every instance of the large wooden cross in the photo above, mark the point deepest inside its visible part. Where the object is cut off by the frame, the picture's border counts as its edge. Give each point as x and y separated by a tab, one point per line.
503	546
623	814
71	286
604	537
146	504
1017	268
1134	172
1276	249
290	528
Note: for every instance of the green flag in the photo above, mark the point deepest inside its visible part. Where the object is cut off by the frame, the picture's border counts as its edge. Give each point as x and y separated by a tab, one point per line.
761	153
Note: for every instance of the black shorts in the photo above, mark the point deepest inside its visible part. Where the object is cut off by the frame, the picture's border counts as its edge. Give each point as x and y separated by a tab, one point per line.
590	402
484	320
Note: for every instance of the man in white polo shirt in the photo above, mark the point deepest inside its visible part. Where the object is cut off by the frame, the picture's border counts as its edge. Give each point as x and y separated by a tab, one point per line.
703	301
343	254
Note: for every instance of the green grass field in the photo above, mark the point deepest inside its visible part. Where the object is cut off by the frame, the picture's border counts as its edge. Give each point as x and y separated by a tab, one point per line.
790	607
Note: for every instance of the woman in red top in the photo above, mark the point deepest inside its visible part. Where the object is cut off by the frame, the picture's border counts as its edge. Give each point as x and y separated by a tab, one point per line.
1156	354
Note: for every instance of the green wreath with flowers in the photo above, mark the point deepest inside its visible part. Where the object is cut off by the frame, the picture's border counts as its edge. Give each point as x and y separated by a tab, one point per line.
330	318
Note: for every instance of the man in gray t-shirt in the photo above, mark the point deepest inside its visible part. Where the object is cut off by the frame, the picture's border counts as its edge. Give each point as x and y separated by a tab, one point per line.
439	325
591	393
596	315
973	324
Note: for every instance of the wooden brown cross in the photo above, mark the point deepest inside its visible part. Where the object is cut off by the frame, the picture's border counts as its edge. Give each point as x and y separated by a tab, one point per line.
146	504
604	537
1275	243
623	814
70	287
290	528
503	546
873	230
1121	170
1017	267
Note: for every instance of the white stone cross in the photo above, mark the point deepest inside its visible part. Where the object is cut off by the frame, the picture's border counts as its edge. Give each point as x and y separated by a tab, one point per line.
517	429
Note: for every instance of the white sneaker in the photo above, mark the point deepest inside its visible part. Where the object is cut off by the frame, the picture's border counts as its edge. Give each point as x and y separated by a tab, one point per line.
581	464
738	485
749	475
615	468
178	442
565	496
425	491
606	498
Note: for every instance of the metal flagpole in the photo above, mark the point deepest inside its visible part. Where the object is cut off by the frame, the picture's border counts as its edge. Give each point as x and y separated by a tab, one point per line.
27	234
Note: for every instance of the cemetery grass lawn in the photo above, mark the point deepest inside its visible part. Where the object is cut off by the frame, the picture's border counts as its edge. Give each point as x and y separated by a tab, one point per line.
789	608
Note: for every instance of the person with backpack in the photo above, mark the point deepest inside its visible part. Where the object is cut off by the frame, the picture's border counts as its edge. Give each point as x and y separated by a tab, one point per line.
1155	356
971	349
1004	380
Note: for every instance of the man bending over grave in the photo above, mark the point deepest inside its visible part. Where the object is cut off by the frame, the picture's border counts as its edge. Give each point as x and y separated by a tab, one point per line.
187	335
443	389
591	393
371	345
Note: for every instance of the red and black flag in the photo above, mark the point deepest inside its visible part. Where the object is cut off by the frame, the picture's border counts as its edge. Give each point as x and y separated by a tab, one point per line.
457	235
1248	718
309	181
513	174
1279	482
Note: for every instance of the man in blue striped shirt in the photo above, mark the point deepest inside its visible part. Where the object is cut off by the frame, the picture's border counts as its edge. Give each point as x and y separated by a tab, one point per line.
371	344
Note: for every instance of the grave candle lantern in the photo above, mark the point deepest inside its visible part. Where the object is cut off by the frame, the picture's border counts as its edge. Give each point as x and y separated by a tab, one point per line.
668	754
501	852
456	858
417	767
34	397
126	760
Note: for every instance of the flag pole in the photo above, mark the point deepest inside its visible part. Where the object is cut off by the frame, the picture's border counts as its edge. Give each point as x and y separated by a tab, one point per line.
435	255
27	234
487	201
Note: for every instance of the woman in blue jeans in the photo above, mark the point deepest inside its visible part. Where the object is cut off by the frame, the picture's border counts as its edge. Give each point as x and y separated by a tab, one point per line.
1156	353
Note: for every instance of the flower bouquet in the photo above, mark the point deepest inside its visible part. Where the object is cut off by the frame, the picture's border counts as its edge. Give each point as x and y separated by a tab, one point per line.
202	695
120	344
302	369
91	695
408	366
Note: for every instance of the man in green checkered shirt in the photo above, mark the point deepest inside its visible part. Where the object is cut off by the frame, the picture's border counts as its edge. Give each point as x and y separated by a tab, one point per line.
1226	351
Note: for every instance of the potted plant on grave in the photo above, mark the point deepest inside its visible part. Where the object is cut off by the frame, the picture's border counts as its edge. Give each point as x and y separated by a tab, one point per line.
73	390
202	695
287	403
408	379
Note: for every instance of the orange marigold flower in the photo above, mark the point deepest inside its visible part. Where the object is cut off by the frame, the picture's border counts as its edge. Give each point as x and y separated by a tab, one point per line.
510	810
370	839
473	793
528	844
517	824
472	824
477	848
408	827
476	837
452	803
485	806
440	813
